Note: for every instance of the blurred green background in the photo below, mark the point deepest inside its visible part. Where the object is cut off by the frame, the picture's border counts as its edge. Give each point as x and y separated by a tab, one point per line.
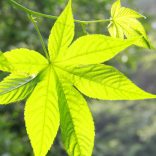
123	128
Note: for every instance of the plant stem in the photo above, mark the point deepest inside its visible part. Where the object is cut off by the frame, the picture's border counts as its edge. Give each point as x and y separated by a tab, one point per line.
21	7
83	26
40	36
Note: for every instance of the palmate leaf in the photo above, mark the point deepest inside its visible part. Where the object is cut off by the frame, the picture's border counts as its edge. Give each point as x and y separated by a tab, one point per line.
25	61
77	125
91	49
62	33
16	88
55	100
104	82
124	23
42	114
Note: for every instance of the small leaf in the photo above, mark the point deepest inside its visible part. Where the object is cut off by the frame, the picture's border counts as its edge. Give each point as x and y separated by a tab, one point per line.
116	30
115	8
42	114
136	29
77	127
104	82
120	12
124	23
25	61
16	88
91	49
62	33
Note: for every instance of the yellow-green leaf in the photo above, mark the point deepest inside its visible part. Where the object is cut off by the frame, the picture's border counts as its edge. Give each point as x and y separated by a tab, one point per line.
91	49
42	114
104	82
16	88
136	29
77	127
116	31
25	61
115	8
124	23
62	33
120	12
4	64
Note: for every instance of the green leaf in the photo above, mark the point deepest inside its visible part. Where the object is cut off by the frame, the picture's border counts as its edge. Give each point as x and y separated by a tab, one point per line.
4	64
25	61
77	127
42	114
53	83
62	33
104	82
124	23
16	88
91	49
136	29
115	8
120	12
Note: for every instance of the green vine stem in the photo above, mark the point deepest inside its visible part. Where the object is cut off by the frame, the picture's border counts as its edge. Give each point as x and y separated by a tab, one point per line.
83	26
28	11
40	36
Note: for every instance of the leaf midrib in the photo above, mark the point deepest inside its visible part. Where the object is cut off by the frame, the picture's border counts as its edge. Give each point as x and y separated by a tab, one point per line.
69	112
2	93
46	101
88	53
62	34
123	90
